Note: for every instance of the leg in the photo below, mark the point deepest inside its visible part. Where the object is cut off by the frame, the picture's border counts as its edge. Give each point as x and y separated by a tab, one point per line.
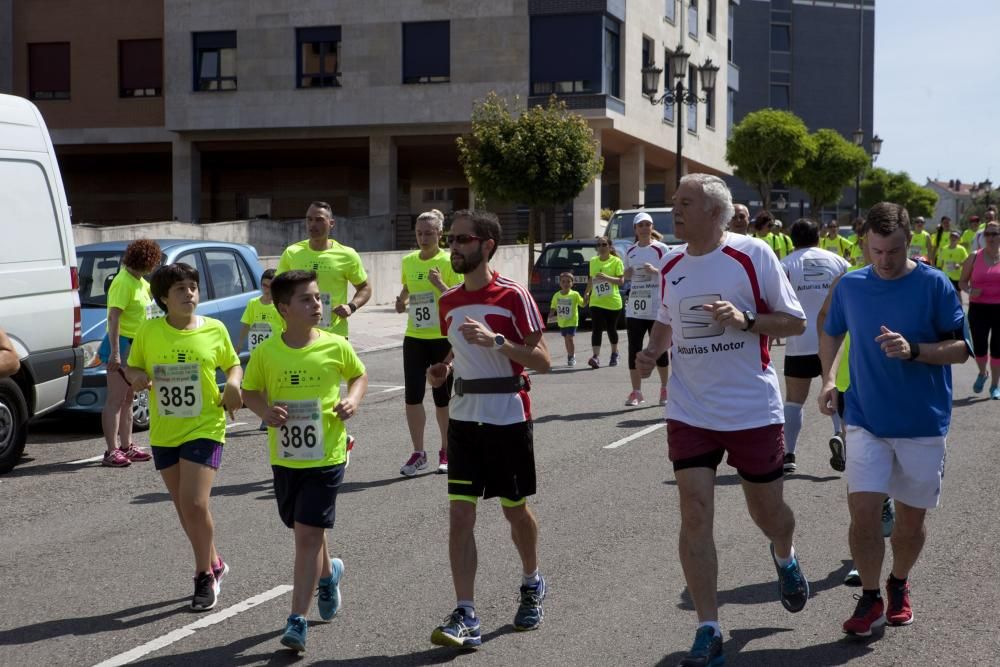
194	491
636	330
310	547
172	480
796	393
908	538
125	420
598	321
462	548
416	420
117	390
441	413
415	363
772	515
867	543
524	533
994	346
613	329
696	545
979	328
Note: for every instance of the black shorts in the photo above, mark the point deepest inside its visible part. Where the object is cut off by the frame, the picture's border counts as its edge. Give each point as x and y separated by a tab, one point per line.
637	330
806	366
308	495
488	460
418	355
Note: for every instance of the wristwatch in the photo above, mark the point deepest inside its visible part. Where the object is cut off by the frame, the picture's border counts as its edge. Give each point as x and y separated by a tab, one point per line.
750	318
498	341
914	351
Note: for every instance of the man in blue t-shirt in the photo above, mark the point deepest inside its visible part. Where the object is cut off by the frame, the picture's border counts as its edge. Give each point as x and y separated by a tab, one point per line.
906	327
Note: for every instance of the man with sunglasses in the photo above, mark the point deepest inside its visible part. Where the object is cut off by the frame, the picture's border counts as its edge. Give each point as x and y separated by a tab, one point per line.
740	224
495	331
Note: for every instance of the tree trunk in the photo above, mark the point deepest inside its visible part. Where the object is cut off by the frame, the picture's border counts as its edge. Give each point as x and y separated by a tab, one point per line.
531	240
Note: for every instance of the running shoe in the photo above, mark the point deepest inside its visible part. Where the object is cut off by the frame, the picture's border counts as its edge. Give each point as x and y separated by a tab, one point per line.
135	453
837	450
980	382
868	615
457	631
262	427
529	611
295	633
853	578
634	399
594	362
995	393
792	584
443	462
613	361
663	395
571	361
220	570
115	459
706	650
416	462
790	466
899	611
350	448
206	592
328	591
888	517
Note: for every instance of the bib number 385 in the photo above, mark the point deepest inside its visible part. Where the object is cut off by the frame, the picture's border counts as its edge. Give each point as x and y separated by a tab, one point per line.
178	389
300	438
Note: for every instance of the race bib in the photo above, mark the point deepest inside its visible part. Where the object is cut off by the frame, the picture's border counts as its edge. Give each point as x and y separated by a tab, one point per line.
564	309
259	332
327	318
602	288
178	389
640	301
951	266
153	311
424	311
300	438
915	251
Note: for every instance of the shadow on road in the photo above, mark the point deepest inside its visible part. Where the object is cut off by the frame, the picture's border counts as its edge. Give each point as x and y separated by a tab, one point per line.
734	480
91	625
821	655
265	487
590	416
24	468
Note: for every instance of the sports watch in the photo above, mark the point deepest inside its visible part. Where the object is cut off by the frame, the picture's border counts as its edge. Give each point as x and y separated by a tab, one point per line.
498	341
750	318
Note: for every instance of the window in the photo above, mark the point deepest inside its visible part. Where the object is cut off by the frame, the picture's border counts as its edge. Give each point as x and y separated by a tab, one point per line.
781	37
318	57
647	52
214	60
693	19
140	68
427	52
730	33
194	259
710	108
670	10
612	68
227	280
730	109
668	81
710	18
781	95
48	71
692	119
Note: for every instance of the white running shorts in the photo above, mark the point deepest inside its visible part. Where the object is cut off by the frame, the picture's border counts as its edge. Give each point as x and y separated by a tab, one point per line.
909	470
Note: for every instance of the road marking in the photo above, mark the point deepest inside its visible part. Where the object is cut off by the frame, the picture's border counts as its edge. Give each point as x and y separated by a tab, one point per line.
235	424
390	389
618	443
92	459
188	630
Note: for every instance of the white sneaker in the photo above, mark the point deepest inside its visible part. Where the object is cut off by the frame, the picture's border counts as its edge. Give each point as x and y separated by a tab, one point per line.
635	398
416	462
571	361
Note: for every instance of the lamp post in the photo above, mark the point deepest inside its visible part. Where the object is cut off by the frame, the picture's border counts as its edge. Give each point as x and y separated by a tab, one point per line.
680	93
988	186
876	148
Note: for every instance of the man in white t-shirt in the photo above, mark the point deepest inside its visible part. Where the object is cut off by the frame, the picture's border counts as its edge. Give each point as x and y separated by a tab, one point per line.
812	271
723	295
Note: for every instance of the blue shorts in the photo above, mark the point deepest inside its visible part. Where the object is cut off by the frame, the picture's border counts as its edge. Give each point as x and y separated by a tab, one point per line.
201	451
567	331
124	345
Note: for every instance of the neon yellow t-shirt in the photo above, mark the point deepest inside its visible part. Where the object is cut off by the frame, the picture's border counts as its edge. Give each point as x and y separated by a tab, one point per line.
776	244
857	257
263	320
422	314
969	235
838	245
184	400
132	296
604	294
307	381
567	308
920	244
335	267
950	261
843	377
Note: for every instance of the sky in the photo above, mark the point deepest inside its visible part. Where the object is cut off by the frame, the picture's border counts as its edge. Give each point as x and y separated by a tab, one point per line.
937	88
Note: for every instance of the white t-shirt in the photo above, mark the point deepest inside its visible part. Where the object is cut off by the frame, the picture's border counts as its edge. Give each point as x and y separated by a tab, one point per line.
645	292
723	378
811	272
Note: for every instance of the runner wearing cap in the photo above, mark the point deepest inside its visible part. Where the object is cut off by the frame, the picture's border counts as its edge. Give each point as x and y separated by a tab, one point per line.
951	257
643	261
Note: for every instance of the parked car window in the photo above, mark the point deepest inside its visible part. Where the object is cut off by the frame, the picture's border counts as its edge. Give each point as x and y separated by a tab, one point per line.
225	271
97	270
194	259
562	256
620	226
249	281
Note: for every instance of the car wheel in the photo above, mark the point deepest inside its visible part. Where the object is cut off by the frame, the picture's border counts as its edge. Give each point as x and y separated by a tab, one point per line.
140	411
13	424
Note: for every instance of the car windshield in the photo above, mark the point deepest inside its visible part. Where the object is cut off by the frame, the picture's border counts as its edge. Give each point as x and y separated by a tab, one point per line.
97	270
566	256
620	226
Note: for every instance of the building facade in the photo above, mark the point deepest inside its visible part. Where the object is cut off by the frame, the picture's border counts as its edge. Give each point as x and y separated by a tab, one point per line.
819	64
176	110
955	198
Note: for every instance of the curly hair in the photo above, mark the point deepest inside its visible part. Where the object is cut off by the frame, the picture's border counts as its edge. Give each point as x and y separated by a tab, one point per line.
142	255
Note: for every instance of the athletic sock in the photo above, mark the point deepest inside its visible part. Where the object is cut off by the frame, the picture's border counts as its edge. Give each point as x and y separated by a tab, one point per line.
530	580
895	581
711	624
783	562
838	427
469	607
872	593
793	425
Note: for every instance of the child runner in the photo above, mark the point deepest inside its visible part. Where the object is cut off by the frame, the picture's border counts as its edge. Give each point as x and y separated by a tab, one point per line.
260	318
293	384
180	353
566	305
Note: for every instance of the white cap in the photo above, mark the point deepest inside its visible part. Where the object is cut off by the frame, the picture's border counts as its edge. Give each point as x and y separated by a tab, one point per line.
642	216
777	224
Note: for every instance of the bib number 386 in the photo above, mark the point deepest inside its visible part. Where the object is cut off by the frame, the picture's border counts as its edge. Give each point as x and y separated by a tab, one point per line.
178	389
300	438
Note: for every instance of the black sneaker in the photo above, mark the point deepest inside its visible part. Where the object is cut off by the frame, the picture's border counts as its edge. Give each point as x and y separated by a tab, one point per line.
206	591
790	466
706	651
837	453
792	584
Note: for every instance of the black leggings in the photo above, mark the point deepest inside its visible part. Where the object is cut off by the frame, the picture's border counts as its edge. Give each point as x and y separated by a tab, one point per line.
604	319
637	330
418	355
984	325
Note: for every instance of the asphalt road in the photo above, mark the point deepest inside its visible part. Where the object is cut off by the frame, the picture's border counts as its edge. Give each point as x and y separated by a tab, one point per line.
95	568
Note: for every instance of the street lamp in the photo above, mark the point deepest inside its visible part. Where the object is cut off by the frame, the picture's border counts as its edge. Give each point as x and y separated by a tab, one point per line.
680	94
859	140
988	186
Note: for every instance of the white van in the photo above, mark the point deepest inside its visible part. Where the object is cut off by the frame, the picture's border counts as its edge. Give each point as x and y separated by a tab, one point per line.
39	302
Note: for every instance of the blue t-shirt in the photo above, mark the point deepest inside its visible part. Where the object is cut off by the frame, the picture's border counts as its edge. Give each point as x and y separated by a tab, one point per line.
895	398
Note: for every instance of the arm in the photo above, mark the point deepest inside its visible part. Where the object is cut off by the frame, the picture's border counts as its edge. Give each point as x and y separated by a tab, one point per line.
940	353
362	294
777	325
620	280
9	363
244	330
829	353
347	407
438	373
137	377
232	398
533	353
401	300
659	341
965	281
114	331
274	415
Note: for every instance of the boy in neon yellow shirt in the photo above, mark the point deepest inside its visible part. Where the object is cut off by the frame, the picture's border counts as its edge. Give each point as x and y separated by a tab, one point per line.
260	318
177	356
951	258
566	305
293	383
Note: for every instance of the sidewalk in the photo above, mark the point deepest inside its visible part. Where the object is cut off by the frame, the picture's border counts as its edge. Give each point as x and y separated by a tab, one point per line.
375	328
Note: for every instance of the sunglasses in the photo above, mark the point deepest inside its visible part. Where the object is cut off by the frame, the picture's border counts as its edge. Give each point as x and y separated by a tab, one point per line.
603	245
462	238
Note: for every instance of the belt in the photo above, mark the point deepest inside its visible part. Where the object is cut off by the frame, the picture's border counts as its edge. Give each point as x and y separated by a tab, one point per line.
506	385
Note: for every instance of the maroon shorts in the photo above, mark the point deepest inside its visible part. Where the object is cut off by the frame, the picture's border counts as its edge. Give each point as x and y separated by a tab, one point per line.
756	453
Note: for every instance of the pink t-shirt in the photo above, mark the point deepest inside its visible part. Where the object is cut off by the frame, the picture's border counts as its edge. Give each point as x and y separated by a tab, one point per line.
986	278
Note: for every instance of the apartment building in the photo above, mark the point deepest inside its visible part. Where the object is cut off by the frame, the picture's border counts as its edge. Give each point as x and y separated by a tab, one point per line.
172	109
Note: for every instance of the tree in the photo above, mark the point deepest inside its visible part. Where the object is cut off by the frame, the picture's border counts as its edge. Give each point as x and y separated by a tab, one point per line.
542	157
768	146
834	165
896	186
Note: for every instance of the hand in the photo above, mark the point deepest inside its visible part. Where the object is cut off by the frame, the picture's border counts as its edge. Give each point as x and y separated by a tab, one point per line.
342	311
231	400
437	374
345	409
114	362
601	275
893	344
828	399
652	269
276	415
727	314
400	305
476	333
140	381
975	291
645	361
434	276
